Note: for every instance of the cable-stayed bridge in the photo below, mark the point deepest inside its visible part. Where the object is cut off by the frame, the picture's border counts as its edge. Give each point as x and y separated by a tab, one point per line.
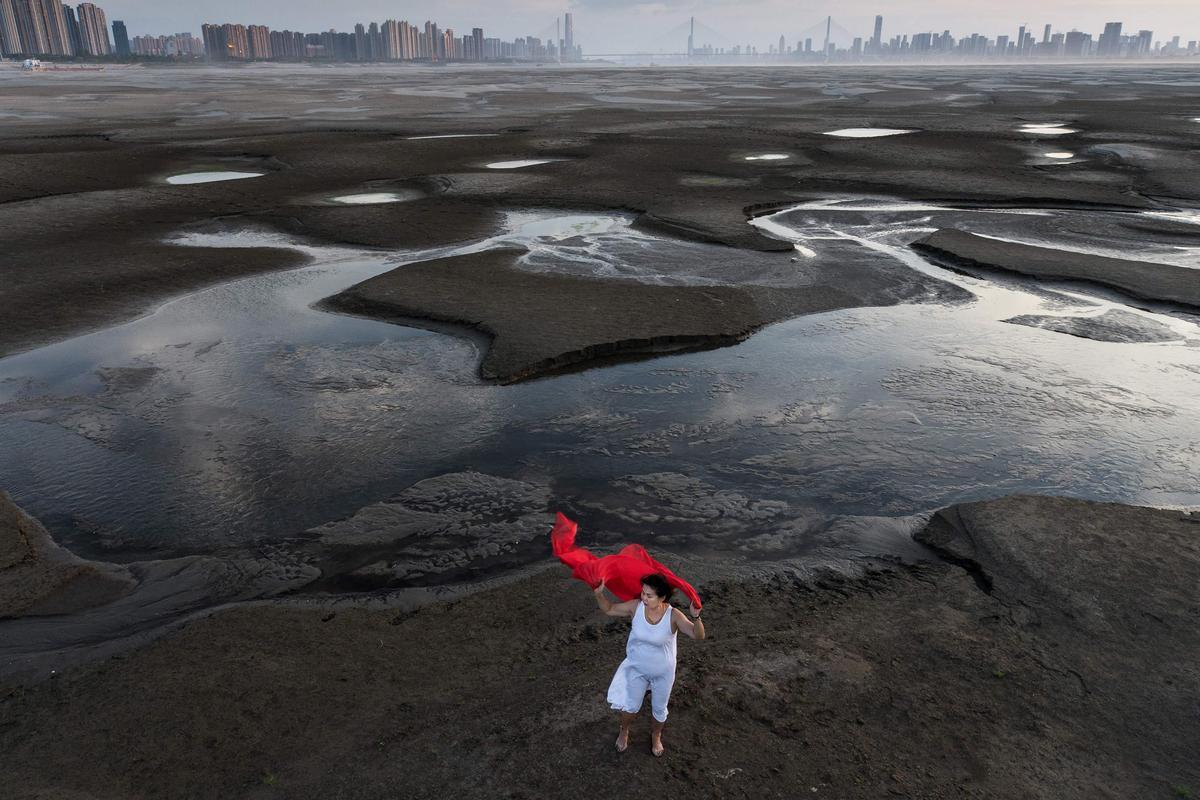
692	37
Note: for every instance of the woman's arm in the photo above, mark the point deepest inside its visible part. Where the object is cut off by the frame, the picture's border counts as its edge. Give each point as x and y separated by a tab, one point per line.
693	627
610	608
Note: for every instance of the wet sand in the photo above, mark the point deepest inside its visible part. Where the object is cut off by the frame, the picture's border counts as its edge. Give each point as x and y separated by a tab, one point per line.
86	192
1141	279
1054	657
539	323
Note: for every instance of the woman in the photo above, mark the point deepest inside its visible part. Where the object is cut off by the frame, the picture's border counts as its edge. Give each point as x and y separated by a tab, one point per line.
649	655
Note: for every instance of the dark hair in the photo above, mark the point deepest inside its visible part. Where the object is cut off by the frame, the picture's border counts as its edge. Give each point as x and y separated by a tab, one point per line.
658	583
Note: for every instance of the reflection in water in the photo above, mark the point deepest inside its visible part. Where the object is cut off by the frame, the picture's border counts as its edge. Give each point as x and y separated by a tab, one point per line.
1047	129
368	198
211	177
866	133
236	418
452	136
528	162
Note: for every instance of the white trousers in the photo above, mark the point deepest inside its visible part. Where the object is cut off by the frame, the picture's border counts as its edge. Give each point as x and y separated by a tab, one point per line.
628	690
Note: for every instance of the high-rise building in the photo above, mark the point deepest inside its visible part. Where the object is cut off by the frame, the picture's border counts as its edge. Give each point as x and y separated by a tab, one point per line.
73	32
31	32
214	42
1110	41
374	42
569	34
237	42
10	36
56	27
41	27
391	40
1046	34
1145	41
1077	44
93	29
360	43
477	40
877	40
120	38
259	39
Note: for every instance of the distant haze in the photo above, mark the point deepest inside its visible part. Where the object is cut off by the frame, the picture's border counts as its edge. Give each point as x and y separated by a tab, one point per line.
623	25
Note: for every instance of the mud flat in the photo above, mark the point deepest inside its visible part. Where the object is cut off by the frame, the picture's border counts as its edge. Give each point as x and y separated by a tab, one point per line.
1142	279
1111	326
57	608
38	577
1054	657
542	322
83	190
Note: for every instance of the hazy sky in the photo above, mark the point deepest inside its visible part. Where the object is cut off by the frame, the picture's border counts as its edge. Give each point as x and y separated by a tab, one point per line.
608	25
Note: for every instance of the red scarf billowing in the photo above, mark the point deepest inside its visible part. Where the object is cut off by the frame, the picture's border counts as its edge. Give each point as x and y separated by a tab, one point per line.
622	572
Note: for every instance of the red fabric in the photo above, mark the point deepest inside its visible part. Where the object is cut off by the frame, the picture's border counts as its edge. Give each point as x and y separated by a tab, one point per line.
622	572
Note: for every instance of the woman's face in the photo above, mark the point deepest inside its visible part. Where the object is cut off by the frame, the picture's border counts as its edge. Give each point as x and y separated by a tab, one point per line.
650	597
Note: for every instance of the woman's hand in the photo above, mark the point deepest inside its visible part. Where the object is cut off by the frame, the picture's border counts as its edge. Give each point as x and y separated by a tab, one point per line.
694	611
599	588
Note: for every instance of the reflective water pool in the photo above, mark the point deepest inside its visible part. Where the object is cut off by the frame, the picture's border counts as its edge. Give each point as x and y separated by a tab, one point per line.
527	162
211	177
866	133
1050	129
451	136
238	418
369	198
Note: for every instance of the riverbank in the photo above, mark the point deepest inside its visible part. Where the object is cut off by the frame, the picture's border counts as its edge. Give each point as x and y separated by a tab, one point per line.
1028	669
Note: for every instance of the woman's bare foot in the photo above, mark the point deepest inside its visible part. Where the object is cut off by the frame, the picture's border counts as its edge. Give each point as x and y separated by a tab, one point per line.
656	745
622	740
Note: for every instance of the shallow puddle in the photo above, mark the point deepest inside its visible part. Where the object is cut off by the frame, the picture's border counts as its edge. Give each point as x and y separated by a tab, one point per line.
211	177
370	198
1052	129
867	133
451	136
236	418
528	162
768	157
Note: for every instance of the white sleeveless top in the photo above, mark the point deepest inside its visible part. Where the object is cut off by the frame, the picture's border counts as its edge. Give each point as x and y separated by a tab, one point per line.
651	647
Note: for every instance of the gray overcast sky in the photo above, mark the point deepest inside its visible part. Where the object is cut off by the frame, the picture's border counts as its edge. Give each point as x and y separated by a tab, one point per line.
606	25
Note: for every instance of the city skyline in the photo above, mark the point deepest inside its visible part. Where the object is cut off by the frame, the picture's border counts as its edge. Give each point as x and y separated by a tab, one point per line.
609	26
53	28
